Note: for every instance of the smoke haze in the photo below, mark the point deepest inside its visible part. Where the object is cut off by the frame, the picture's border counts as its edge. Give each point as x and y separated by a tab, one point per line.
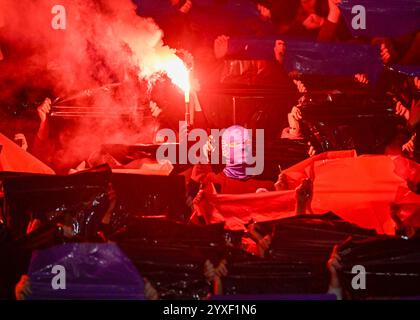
104	42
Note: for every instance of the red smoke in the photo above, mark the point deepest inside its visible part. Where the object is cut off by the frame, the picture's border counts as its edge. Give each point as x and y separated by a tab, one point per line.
104	42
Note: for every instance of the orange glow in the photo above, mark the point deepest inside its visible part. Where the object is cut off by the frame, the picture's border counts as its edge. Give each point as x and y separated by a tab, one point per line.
176	70
164	60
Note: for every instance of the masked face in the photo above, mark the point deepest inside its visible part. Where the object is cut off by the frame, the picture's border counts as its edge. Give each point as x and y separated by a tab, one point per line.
236	145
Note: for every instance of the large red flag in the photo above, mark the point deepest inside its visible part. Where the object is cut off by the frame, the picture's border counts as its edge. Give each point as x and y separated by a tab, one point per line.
238	209
15	159
358	189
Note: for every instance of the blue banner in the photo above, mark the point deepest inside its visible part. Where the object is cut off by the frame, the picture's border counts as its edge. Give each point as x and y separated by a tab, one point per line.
89	271
312	58
411	71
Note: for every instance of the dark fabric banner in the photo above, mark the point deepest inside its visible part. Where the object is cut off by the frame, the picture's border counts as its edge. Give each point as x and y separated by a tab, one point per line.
312	58
412	71
91	271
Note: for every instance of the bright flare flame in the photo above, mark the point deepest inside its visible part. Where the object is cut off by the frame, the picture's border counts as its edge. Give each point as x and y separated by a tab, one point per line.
176	70
165	60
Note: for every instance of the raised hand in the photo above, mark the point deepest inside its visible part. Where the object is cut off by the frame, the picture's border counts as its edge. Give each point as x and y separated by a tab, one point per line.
304	194
402	111
150	293
20	139
296	113
44	109
361	78
417	83
300	86
265	13
334	10
281	183
23	288
313	21
186	7
334	262
279	50
409	146
221	46
385	55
